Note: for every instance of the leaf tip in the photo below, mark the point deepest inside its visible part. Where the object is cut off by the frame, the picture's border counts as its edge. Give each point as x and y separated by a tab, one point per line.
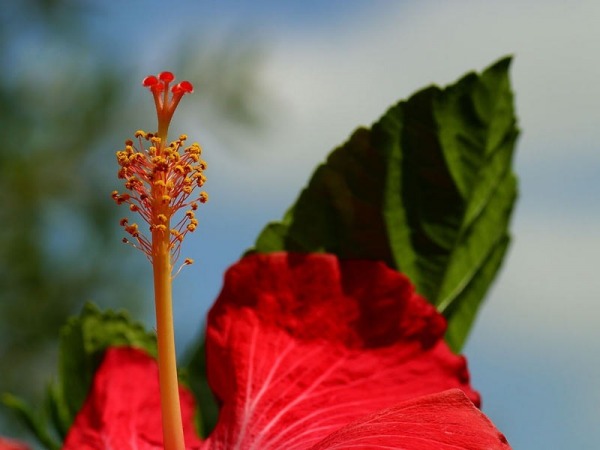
503	63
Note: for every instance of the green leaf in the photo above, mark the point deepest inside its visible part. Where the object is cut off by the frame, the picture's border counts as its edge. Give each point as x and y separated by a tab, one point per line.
83	341
428	189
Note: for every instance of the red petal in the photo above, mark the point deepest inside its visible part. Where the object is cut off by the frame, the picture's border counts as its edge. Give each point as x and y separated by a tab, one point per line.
300	345
445	421
122	410
9	444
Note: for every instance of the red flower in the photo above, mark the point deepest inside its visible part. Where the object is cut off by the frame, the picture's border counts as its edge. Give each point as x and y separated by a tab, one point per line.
305	352
122	411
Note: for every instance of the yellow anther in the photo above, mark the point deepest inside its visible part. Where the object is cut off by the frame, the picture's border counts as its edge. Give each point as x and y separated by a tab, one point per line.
162	218
133	229
177	235
133	208
122	198
166	198
132	182
182	137
122	158
194	206
188	189
140	133
160	183
188	261
200	179
190	214
191	227
161	228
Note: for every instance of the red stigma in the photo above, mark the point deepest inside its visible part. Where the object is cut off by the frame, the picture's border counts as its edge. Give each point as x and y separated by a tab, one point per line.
167	77
183	87
150	81
165	103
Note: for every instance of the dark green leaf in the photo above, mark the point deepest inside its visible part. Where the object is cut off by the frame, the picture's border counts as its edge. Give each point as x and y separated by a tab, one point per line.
428	189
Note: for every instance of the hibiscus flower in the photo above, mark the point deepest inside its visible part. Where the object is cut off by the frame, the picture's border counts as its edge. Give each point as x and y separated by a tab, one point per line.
304	352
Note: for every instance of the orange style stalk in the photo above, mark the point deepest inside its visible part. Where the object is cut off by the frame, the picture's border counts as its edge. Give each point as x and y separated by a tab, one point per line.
161	180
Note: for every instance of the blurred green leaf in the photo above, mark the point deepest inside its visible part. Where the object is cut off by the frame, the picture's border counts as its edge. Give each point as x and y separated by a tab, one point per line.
35	422
428	189
83	341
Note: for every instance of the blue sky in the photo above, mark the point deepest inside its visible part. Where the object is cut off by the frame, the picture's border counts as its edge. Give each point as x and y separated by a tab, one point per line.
331	66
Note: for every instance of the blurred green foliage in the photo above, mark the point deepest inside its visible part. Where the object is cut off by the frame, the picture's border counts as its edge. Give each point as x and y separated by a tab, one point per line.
58	242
